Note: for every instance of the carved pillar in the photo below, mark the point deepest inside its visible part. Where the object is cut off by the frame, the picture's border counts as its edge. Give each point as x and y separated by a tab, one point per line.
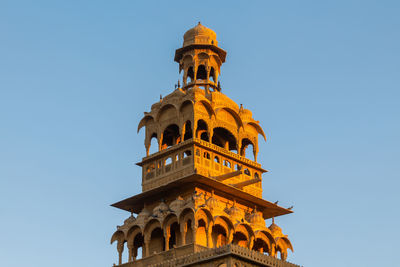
209	236
130	251
160	140
183	233
146	247
167	236
120	248
251	242
194	231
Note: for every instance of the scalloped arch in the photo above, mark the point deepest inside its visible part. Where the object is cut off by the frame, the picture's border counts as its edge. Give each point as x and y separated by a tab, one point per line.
144	121
234	114
118	235
258	128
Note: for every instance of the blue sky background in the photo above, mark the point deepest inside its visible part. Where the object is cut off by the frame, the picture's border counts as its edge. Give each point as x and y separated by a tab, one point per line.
321	76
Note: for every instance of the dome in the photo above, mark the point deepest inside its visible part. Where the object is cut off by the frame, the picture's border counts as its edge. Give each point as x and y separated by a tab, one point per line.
161	208
275	230
235	213
200	35
212	202
177	204
256	218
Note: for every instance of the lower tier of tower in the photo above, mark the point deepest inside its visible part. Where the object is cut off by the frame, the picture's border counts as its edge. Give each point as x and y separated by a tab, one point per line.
196	255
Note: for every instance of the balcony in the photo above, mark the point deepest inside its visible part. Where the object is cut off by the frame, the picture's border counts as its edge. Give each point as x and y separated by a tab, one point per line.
204	158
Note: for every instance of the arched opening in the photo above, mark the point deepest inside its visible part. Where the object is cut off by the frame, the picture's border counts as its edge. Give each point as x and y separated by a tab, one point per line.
175	234
201	73
206	155
187	153
224	139
189	233
138	242
212	74
219	236
247	149
201	234
202	130
157	242
227	163
171	136
216	159
188	131
261	246
240	239
153	144
190	74
246	172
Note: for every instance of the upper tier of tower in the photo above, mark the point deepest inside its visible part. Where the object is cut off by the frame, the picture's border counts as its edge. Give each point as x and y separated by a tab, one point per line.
200	58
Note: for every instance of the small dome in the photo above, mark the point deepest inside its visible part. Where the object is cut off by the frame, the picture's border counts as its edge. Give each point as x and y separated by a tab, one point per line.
212	202
256	218
131	219
200	35
161	208
177	204
235	213
143	214
275	230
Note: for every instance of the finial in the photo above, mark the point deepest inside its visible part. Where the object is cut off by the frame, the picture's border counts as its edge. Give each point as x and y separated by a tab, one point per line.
199	23
273	220
241	106
179	84
219	86
160	97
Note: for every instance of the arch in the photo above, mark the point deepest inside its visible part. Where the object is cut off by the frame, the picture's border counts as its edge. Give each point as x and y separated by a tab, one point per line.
207	106
216	159
117	236
132	232
227	163
240	239
157	241
219	235
263	242
190	74
212	75
224	138
204	214
145	121
174	235
186	106
233	113
135	242
202	130
188	133
201	73
284	242
203	56
152	146
168	220
245	143
171	136
225	222
164	111
201	232
258	128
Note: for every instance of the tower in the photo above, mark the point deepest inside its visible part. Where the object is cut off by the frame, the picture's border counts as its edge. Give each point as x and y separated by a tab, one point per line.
201	202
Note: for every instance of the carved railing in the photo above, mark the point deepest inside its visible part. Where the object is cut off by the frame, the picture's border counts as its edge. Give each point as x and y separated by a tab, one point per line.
204	158
190	254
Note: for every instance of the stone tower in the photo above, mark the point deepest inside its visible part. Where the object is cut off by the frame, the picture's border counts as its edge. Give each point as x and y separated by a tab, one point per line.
201	203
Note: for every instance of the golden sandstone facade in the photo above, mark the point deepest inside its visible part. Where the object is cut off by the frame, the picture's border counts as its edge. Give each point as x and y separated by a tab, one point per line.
201	203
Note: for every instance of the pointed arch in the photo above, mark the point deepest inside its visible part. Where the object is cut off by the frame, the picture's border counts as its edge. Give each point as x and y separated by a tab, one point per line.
164	109
145	121
234	114
258	128
207	106
117	236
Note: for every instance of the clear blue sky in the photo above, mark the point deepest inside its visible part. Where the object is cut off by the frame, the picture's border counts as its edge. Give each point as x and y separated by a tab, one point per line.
323	78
